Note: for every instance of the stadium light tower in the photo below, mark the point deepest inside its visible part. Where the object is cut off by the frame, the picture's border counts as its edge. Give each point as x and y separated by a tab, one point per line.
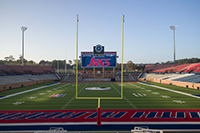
173	27
23	28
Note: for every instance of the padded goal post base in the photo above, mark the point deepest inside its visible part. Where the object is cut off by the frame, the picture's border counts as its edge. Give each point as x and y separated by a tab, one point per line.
98	116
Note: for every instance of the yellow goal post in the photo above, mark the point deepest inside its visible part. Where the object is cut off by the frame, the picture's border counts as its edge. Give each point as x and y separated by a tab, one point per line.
121	97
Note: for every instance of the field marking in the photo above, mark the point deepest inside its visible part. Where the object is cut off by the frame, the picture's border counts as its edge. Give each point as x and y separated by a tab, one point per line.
135	94
165	96
73	97
15	94
156	93
42	94
179	101
138	94
16	103
163	88
32	97
124	98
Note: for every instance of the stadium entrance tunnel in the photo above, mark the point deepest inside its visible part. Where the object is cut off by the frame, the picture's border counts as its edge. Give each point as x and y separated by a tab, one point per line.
116	119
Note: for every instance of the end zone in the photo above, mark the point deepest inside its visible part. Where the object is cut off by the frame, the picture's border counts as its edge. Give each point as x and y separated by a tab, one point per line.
111	119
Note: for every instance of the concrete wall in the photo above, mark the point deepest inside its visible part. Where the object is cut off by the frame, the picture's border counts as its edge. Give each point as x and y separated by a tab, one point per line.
177	83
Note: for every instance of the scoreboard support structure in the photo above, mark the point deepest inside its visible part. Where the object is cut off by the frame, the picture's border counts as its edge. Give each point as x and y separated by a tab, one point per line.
99	62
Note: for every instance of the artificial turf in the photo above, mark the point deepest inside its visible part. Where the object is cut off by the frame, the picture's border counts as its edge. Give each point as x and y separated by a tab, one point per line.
135	96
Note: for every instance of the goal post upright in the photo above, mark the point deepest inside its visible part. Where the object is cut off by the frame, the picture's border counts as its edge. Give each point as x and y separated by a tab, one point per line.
121	97
99	98
77	57
122	71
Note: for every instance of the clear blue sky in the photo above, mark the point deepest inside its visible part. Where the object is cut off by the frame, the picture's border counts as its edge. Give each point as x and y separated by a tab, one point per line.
51	32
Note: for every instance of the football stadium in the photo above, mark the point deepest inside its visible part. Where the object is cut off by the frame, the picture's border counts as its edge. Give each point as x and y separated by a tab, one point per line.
100	98
35	98
99	93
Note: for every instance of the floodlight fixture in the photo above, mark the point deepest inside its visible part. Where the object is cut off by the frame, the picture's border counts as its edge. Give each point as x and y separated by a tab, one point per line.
173	27
23	28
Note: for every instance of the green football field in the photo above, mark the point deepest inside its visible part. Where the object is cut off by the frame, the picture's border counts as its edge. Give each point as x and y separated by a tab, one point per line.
136	96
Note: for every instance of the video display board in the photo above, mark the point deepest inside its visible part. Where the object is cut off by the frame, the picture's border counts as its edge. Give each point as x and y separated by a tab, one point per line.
88	60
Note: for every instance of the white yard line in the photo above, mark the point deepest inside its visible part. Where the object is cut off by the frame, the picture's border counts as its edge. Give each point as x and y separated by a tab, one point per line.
124	98
135	94
179	92
73	97
140	95
15	94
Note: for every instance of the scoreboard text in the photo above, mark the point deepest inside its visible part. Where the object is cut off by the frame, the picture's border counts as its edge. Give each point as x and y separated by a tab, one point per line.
89	60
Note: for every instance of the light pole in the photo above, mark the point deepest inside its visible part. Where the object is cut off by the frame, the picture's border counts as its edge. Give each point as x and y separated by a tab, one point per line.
23	28
173	27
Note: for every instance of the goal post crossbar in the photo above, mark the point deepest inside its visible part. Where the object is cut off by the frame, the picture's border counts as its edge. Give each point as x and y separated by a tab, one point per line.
99	97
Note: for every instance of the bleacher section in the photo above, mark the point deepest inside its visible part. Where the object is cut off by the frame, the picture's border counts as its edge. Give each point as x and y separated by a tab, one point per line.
19	69
97	80
174	77
12	76
71	78
192	78
4	70
89	77
187	75
127	77
172	68
26	78
197	70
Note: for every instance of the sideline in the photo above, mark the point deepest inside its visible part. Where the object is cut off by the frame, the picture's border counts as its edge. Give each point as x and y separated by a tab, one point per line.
28	91
179	92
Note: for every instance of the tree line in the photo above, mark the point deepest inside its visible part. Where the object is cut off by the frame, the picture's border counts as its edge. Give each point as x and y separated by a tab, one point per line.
60	64
71	64
183	61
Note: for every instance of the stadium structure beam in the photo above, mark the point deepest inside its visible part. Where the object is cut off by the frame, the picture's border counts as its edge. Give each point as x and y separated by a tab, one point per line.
173	27
23	28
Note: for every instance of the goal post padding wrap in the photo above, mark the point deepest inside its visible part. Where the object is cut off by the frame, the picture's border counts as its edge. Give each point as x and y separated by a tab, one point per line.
98	116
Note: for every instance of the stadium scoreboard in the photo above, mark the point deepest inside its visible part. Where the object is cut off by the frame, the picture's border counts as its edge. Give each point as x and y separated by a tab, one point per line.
98	58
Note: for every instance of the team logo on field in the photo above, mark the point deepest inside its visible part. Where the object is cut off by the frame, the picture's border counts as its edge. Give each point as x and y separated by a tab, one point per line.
57	95
98	88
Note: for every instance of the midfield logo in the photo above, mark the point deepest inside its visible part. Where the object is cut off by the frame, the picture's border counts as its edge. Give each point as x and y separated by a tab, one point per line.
99	62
